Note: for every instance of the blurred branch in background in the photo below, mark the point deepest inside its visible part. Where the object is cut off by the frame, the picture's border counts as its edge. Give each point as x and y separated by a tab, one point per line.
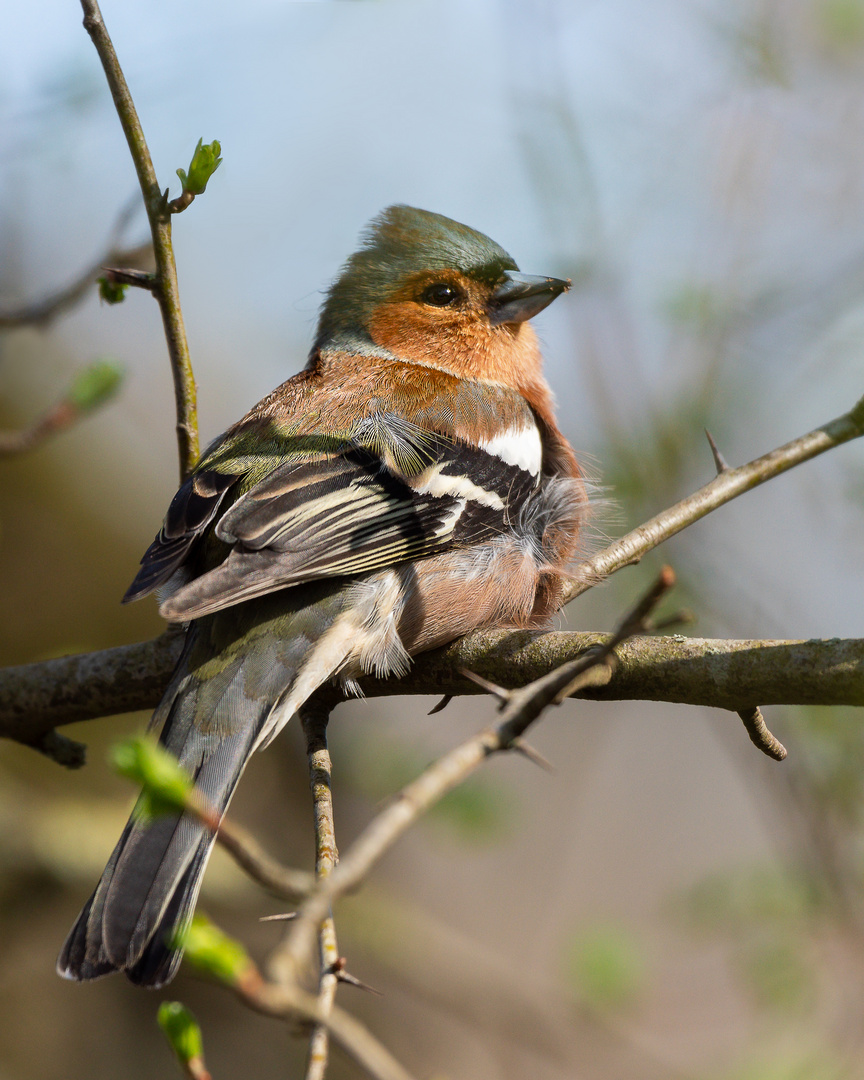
41	313
90	390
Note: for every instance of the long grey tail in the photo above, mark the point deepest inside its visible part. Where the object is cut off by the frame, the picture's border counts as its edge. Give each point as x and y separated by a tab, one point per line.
150	885
240	677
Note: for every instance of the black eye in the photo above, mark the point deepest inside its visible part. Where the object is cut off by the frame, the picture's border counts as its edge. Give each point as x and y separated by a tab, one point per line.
439	295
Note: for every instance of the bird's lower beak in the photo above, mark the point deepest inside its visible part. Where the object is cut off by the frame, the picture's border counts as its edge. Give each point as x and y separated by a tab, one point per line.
522	296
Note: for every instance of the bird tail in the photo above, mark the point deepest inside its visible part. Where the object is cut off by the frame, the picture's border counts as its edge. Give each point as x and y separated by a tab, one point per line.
223	702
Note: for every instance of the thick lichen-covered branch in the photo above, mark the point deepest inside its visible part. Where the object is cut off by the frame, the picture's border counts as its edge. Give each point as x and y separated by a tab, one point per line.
726	674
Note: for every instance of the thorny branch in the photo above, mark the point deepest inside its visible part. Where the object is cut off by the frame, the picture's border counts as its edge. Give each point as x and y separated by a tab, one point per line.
167	293
36	698
520	709
326	857
285	1001
727	485
716	673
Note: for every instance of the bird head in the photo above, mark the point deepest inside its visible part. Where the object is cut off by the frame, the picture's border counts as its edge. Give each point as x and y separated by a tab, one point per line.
426	289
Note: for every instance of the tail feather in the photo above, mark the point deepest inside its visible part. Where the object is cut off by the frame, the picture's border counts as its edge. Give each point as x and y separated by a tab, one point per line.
151	883
236	684
158	964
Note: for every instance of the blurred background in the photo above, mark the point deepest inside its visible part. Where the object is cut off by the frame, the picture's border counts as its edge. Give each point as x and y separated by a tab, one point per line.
670	903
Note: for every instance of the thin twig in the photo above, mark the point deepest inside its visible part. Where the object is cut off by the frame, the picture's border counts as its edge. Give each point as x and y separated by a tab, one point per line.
326	856
759	734
523	707
58	418
728	485
282	881
43	311
241	845
167	294
285	1001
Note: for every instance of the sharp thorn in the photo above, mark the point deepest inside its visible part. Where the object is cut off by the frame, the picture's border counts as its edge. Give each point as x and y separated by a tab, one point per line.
489	686
720	462
344	977
528	751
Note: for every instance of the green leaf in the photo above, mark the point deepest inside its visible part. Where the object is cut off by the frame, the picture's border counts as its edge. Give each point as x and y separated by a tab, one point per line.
94	385
212	951
181	1030
166	784
205	161
112	292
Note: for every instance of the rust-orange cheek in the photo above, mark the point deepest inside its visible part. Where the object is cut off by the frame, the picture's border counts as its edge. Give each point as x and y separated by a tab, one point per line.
457	342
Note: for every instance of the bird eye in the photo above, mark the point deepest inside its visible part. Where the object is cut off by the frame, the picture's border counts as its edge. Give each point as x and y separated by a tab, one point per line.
439	295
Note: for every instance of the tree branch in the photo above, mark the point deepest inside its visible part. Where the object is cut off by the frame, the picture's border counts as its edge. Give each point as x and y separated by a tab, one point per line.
326	857
520	709
729	484
719	673
167	294
285	1001
44	311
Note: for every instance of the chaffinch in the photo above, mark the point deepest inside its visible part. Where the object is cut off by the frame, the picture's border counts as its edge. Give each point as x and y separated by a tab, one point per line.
408	486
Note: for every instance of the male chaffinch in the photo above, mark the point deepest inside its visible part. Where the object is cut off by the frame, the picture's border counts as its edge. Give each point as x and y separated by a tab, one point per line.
408	486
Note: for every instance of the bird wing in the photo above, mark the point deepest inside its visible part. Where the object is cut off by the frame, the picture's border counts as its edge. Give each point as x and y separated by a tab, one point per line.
392	493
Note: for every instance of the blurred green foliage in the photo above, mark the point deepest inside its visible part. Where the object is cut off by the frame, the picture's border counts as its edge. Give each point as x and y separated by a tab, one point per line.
768	916
477	811
606	967
212	951
831	761
778	971
793	1064
95	385
112	292
842	22
166	784
759	898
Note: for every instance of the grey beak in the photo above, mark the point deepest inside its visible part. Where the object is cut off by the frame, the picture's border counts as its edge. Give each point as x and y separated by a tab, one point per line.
522	296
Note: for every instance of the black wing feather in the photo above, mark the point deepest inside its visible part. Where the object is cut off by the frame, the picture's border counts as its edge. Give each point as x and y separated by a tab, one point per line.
331	515
192	509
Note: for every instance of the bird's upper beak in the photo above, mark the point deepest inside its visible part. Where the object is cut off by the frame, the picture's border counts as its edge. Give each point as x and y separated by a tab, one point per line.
522	296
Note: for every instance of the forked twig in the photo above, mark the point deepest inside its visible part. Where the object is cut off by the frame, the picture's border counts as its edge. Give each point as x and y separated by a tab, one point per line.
521	709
